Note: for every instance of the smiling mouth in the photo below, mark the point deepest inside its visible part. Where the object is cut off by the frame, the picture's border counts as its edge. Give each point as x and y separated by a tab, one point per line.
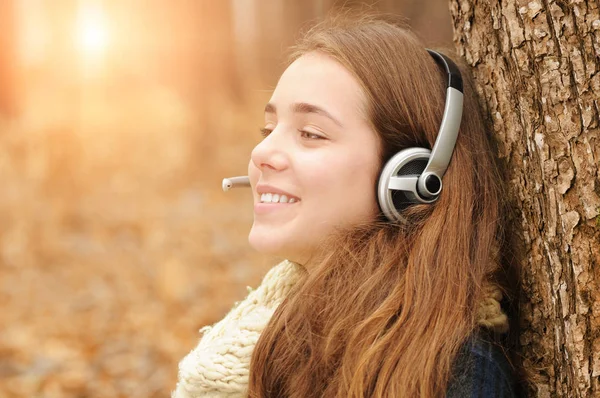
277	198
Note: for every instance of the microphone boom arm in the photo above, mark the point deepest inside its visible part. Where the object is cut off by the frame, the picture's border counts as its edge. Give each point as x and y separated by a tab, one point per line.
233	182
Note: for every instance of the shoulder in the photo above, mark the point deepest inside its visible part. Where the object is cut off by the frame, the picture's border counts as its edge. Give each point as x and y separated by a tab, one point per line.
481	370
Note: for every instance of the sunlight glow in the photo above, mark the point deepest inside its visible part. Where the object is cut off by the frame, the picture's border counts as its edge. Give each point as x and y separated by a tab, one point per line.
92	34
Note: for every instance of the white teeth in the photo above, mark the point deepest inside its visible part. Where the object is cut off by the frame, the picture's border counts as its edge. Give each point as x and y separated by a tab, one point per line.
276	198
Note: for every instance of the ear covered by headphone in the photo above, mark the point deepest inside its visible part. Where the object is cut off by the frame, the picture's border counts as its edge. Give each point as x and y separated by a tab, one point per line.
414	175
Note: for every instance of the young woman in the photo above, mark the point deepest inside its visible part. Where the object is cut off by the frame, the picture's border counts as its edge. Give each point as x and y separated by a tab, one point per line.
390	285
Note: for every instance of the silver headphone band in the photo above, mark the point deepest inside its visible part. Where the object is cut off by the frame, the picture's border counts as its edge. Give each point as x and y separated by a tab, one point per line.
430	180
454	76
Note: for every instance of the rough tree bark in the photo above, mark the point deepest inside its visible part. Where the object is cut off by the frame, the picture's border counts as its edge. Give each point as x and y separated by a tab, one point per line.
537	67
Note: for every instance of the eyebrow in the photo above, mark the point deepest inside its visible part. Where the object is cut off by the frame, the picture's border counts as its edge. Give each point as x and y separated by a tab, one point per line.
303	107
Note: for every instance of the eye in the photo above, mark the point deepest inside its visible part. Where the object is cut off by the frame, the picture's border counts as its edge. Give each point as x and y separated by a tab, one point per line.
310	136
265	131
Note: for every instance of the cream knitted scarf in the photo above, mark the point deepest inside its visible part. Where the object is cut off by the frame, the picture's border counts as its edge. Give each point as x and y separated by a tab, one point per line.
220	364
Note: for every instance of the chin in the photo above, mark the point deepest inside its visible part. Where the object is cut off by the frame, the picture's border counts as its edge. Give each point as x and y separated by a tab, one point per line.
273	245
265	244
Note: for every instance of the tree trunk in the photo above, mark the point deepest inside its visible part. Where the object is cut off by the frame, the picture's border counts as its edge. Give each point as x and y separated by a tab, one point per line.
537	64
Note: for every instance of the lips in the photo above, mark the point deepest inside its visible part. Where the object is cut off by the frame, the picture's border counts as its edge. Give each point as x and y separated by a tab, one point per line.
268	192
271	200
276	198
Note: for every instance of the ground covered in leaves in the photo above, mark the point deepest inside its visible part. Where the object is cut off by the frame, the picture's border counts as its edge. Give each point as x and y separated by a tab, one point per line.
117	243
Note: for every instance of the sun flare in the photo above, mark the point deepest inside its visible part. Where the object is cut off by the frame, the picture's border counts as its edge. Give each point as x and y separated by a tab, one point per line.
92	32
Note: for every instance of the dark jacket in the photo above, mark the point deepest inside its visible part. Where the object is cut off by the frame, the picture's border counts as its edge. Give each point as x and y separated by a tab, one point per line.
481	371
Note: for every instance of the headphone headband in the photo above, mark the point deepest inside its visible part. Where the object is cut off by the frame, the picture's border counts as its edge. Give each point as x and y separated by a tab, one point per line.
454	76
430	181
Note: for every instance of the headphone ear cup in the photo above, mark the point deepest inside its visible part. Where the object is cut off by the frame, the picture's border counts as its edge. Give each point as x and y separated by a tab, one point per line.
408	162
402	199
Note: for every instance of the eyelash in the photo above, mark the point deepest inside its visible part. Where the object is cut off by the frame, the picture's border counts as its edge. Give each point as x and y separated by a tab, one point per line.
304	134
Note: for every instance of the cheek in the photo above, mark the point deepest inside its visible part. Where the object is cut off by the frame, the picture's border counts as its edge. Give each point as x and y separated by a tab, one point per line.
345	188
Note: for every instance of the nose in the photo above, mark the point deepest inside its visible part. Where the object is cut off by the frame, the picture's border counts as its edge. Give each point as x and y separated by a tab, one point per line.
271	153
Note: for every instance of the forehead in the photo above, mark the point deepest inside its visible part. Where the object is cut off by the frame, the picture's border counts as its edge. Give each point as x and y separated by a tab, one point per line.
320	80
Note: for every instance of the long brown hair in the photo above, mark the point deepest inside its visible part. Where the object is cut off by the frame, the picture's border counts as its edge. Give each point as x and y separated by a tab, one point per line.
386	307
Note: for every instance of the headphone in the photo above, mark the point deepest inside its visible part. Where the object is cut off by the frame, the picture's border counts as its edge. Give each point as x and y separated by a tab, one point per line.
414	175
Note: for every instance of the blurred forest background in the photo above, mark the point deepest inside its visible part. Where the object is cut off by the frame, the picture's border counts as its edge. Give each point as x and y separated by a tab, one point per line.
118	120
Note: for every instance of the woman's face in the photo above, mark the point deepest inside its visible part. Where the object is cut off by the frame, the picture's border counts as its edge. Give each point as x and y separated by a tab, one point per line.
317	166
